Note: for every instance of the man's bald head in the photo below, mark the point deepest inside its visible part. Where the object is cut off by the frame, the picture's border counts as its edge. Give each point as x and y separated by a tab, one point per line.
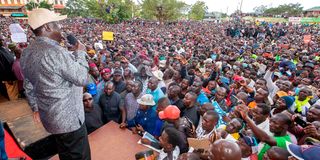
225	150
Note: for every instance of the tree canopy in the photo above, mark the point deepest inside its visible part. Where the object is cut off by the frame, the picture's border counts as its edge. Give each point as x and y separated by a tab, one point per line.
290	9
112	11
198	10
43	4
75	8
163	10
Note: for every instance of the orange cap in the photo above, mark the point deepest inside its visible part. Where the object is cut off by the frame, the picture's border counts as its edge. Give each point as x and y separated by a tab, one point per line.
170	112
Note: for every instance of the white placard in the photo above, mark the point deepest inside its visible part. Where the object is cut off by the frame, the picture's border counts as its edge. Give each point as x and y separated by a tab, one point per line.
17	33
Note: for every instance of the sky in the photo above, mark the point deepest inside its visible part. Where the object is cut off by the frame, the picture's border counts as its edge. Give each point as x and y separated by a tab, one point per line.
247	6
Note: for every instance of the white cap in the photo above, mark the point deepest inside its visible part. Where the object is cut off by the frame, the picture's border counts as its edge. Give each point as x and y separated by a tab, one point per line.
41	16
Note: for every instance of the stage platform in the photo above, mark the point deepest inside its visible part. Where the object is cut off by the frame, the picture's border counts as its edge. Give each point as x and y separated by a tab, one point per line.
111	142
30	136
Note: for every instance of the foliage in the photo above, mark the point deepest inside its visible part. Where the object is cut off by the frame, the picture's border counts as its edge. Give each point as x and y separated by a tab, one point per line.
76	8
43	4
163	10
112	11
198	10
260	9
31	5
285	10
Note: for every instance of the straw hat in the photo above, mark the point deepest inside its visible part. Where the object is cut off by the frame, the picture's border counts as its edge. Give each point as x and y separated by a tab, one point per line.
147	100
41	16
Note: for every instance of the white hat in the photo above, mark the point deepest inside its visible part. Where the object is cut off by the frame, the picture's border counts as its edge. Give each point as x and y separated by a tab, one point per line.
41	16
98	46
147	100
208	60
158	74
162	63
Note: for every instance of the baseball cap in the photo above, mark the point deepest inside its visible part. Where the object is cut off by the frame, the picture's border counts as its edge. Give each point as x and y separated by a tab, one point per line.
92	65
105	70
311	65
250	141
41	16
304	152
238	78
92	89
170	112
117	72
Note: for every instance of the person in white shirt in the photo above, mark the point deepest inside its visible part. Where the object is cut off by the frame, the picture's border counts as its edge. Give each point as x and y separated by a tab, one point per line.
260	116
202	110
209	124
170	141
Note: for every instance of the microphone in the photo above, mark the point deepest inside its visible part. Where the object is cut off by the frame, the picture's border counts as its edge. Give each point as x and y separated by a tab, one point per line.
72	39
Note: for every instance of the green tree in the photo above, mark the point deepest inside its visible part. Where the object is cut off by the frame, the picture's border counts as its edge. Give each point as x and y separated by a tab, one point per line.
76	8
198	10
260	9
285	10
31	5
45	4
162	10
113	11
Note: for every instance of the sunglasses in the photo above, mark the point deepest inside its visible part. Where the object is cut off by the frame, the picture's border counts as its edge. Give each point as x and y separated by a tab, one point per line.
89	99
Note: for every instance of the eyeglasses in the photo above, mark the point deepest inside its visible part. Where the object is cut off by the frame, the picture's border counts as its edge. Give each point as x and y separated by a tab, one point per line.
89	99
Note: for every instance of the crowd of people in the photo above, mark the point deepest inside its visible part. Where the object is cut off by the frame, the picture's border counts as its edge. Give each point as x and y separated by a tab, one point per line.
251	89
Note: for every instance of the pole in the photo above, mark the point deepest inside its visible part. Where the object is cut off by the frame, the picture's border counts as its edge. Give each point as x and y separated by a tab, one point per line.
241	6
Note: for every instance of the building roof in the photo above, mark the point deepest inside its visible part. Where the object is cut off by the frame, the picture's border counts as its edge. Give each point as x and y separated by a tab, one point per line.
10	7
58	6
317	8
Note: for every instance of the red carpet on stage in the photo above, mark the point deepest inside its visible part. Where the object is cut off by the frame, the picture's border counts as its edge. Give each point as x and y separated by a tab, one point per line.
12	149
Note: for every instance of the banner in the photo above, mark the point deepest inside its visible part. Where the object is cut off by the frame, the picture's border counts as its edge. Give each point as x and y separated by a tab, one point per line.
295	20
310	20
107	36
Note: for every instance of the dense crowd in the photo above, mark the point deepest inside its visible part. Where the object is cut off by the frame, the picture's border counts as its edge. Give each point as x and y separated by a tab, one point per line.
250	88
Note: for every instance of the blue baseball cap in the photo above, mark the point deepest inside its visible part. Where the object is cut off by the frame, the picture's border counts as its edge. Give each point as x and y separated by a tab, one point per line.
92	89
304	152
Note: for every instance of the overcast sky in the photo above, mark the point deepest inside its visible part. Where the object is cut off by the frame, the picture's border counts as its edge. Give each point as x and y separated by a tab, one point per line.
248	5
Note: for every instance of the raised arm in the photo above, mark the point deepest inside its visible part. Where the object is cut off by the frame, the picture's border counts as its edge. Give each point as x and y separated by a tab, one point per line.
259	133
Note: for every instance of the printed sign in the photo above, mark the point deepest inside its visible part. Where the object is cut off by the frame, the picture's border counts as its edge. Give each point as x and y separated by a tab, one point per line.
107	36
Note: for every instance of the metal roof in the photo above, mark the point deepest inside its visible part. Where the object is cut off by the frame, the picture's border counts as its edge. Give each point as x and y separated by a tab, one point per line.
317	8
10	7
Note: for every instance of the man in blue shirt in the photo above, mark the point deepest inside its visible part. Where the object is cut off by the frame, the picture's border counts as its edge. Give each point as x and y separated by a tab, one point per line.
146	117
197	89
154	90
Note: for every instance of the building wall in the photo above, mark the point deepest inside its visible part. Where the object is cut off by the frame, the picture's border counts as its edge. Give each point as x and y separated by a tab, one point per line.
313	13
7	12
11	2
22	2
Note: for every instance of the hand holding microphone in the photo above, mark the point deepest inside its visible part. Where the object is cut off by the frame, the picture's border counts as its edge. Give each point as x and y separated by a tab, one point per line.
76	44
